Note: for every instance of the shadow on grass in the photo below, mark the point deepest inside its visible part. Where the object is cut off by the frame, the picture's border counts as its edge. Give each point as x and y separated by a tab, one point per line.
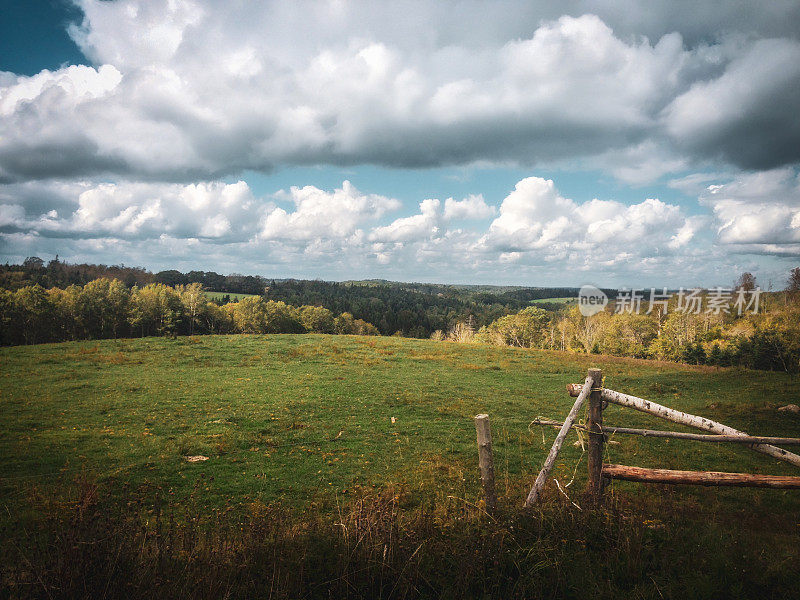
390	544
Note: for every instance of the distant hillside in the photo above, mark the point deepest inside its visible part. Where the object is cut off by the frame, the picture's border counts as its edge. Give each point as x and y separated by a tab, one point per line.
410	309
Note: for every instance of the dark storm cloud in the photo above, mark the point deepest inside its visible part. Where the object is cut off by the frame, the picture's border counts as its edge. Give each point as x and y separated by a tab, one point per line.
747	115
216	88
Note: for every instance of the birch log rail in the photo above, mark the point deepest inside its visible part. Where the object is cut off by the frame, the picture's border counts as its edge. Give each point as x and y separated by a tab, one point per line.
699	437
538	485
683	418
708	478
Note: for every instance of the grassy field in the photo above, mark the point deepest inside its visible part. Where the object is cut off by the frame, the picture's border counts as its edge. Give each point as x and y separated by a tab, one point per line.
309	424
235	297
284	416
570	300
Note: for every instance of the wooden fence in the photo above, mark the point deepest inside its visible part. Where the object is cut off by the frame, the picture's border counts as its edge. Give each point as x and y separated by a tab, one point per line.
600	474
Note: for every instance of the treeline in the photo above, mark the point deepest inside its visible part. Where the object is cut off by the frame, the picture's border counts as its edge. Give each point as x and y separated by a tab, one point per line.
402	309
407	309
413	309
137	304
210	280
767	340
106	308
60	274
56	273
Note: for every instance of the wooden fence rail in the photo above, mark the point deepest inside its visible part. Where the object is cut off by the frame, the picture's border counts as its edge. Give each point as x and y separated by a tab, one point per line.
683	418
699	477
698	437
600	473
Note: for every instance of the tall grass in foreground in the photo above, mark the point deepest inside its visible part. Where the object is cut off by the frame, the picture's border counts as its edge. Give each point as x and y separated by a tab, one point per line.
386	545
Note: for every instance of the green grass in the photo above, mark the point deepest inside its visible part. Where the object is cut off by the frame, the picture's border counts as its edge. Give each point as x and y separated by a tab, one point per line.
235	297
303	424
569	300
289	417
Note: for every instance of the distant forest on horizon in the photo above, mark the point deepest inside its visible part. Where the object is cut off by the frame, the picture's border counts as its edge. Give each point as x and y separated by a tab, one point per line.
57	273
409	309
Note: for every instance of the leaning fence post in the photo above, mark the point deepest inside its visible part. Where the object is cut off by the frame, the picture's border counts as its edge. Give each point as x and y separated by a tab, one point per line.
595	426
486	461
538	485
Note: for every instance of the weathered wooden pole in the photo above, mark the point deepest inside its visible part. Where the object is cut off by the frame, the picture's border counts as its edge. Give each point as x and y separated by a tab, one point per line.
714	478
609	430
594	425
486	461
538	485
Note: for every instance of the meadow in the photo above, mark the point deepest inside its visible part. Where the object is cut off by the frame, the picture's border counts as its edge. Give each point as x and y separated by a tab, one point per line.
308	430
562	300
234	296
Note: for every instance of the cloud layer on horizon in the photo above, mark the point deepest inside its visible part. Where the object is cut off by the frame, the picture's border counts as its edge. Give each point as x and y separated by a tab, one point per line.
533	230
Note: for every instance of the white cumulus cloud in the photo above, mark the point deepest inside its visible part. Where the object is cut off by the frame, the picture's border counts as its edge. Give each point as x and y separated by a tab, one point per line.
537	222
537	235
759	211
413	228
471	207
320	214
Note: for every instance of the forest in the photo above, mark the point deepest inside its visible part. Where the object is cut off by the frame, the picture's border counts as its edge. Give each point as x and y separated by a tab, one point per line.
58	302
407	309
767	338
104	308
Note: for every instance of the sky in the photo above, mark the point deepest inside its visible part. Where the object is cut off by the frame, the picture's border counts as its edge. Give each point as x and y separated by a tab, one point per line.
623	144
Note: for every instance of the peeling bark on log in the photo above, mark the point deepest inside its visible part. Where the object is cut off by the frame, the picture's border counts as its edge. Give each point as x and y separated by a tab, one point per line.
683	418
608	430
708	478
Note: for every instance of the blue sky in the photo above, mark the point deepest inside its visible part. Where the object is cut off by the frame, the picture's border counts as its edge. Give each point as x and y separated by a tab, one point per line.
33	36
630	143
411	185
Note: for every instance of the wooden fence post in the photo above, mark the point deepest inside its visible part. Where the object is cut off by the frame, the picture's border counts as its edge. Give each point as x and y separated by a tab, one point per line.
486	461
594	426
